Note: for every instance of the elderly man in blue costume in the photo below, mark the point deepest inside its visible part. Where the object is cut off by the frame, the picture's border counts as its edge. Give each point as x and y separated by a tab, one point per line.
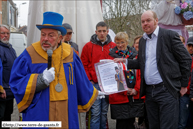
55	94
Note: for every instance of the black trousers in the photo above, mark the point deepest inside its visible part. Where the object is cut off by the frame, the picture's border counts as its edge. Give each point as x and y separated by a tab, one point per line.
191	107
6	109
162	108
125	123
190	119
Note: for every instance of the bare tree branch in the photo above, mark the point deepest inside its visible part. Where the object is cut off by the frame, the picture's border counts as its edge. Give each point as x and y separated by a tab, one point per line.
125	15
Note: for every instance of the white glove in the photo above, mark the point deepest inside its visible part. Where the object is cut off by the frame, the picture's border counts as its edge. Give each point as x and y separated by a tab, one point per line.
101	95
49	75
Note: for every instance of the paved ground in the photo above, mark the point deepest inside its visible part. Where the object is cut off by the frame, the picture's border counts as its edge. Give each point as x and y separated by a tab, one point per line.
15	114
111	122
15	117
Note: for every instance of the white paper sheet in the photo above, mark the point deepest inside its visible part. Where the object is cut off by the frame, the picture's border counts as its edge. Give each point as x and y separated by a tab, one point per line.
106	77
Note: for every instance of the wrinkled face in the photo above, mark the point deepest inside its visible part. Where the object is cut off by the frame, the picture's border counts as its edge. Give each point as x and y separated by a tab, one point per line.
49	39
190	48
148	23
136	44
4	35
121	44
67	37
101	33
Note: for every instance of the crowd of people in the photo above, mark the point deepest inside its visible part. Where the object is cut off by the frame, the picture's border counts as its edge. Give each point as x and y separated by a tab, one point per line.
159	67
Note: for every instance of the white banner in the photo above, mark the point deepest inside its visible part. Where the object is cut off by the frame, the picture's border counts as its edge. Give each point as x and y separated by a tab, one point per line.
82	15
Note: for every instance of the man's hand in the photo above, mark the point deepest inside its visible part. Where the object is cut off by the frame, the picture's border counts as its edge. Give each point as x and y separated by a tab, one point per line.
183	91
92	82
191	99
49	75
118	60
101	95
131	91
3	95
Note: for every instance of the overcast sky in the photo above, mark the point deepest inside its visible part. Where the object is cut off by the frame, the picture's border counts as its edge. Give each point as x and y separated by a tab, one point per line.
23	11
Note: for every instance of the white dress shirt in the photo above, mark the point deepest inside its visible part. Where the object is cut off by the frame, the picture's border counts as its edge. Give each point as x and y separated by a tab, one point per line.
151	73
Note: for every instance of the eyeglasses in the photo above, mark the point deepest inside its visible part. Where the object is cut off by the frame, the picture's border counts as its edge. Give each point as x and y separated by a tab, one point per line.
3	33
120	43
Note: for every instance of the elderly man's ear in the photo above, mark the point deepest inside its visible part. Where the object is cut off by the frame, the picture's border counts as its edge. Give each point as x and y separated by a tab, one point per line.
60	38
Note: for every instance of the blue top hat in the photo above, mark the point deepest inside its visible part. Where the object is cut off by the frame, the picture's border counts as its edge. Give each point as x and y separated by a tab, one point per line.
52	20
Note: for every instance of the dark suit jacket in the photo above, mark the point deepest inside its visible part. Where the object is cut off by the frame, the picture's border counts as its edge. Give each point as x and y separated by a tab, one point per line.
173	61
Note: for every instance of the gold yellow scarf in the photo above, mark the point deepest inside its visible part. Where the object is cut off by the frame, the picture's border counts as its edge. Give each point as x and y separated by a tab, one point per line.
56	56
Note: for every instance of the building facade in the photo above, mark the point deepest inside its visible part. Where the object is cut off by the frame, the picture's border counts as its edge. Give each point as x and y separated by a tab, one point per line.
0	11
9	14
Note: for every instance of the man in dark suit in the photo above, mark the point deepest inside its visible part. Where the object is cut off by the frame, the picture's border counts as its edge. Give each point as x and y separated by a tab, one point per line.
165	68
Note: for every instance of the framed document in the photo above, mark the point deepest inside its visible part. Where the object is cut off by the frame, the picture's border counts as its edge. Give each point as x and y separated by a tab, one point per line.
110	77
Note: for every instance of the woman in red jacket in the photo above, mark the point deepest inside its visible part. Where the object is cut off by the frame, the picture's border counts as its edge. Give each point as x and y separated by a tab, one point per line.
120	102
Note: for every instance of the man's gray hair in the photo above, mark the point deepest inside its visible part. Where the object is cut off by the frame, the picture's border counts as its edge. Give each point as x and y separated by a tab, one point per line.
59	33
5	26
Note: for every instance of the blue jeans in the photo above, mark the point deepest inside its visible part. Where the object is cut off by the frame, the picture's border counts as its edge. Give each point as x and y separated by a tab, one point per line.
183	111
99	111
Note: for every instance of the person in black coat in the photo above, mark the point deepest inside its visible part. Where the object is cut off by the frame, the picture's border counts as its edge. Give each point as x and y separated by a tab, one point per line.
190	49
165	66
191	97
7	57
